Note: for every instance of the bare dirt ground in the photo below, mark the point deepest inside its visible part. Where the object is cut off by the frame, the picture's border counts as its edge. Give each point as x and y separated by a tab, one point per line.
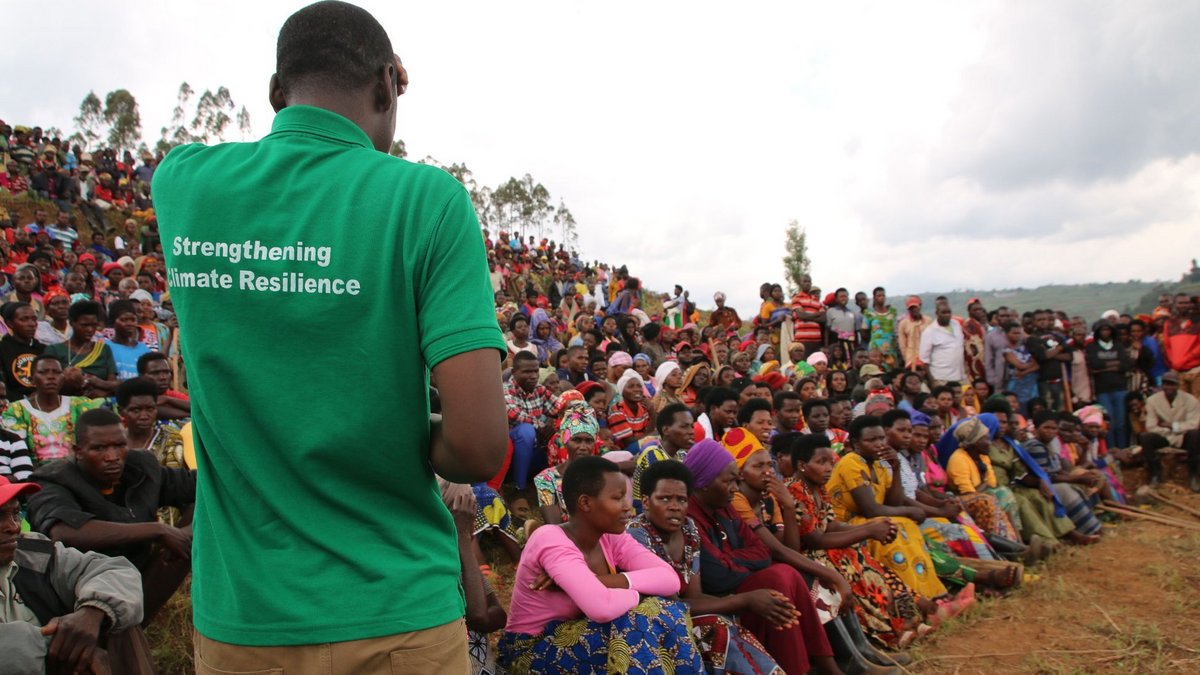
1130	604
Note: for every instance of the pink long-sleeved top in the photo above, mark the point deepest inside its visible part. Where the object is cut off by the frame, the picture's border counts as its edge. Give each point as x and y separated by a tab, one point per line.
579	591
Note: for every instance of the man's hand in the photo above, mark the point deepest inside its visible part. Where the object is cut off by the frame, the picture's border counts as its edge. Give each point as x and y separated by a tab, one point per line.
772	606
76	635
462	507
177	541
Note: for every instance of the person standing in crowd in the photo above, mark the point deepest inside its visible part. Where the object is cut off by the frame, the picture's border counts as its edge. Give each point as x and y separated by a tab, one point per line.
909	330
1181	343
941	347
809	317
975	329
423	307
1108	363
994	344
1053	356
881	327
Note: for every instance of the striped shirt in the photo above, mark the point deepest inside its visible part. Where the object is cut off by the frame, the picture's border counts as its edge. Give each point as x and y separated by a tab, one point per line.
16	462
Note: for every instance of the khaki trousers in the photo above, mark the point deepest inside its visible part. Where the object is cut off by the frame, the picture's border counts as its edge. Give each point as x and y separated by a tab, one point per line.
442	649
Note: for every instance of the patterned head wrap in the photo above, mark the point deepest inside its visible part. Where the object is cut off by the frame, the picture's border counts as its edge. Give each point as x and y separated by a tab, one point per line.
706	459
56	292
970	432
577	418
741	444
919	419
620	359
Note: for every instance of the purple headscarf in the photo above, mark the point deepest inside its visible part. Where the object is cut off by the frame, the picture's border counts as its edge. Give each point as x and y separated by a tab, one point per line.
706	459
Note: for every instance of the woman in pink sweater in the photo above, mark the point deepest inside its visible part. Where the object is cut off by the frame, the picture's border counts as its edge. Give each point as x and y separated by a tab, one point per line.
587	596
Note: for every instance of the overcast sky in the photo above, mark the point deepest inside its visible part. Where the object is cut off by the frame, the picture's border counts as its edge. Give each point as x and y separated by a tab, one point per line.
924	146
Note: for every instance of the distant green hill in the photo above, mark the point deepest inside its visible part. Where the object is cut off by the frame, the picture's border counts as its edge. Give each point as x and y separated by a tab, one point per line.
1087	300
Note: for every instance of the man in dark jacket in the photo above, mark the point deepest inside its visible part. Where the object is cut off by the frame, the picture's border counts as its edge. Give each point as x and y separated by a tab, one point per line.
60	607
106	499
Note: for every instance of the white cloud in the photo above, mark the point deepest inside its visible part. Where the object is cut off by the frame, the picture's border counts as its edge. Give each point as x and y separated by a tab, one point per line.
924	145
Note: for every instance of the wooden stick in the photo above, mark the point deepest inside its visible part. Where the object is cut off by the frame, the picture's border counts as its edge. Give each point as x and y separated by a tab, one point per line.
1149	515
1110	619
1160	517
1171	502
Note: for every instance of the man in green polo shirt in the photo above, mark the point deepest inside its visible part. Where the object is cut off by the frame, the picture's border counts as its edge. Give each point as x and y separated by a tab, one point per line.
318	282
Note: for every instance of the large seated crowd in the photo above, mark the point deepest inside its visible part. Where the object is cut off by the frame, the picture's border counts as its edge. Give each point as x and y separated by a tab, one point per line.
815	484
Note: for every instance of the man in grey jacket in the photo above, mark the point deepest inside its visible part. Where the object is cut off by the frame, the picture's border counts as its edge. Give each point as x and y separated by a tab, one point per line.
59	606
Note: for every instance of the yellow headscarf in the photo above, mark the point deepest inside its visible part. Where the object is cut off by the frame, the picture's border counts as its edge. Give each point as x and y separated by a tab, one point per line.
741	444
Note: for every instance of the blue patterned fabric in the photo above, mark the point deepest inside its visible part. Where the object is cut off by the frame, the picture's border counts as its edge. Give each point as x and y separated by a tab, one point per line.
653	638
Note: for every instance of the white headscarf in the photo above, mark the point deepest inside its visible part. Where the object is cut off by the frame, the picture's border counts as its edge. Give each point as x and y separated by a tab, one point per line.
664	371
628	375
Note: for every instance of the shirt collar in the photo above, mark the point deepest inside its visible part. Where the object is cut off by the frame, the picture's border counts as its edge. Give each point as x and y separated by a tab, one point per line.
320	122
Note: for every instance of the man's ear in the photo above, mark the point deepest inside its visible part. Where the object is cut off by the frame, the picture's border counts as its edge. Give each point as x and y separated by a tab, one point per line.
275	93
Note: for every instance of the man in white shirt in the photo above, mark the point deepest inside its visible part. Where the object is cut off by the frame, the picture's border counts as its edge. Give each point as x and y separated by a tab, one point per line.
942	347
1172	419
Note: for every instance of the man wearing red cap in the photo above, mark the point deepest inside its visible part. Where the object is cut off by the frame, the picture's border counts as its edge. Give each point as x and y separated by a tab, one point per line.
59	606
908	331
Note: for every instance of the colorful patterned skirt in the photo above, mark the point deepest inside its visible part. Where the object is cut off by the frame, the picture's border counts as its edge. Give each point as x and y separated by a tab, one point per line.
885	604
728	650
990	510
963	539
653	638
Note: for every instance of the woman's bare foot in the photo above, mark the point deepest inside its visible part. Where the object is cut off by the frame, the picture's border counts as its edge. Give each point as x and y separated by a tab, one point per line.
1080	539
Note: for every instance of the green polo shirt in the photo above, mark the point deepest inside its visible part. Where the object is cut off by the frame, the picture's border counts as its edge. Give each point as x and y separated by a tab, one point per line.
317	282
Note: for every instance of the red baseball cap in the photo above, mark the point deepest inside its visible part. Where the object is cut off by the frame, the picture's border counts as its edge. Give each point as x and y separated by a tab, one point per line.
10	491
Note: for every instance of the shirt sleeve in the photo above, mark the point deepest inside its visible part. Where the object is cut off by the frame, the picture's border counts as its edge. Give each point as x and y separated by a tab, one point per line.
178	487
648	574
16	461
564	563
455	304
55	504
959	472
741	506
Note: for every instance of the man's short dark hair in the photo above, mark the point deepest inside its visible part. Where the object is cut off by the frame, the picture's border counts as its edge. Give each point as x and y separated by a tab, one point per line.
863	422
517	318
742	384
783	396
585	476
811	404
717	396
891	417
97	417
521	357
84	308
136	386
803	448
144	361
746	412
119	307
666	416
667	469
331	44
38	359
